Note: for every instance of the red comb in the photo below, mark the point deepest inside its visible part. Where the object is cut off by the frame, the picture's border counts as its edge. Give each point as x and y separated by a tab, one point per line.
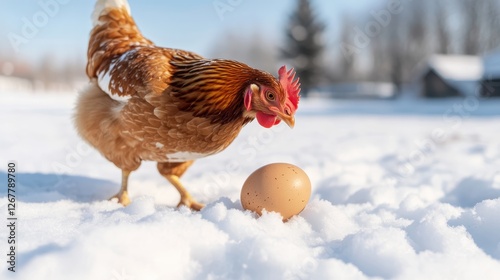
291	86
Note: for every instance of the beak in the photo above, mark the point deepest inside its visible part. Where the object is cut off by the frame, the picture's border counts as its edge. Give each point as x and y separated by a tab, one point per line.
288	119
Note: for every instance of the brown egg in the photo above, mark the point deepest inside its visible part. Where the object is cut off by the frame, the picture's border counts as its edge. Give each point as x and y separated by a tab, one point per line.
277	187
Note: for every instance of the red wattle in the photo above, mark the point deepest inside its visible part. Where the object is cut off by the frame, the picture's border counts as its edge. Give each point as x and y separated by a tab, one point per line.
266	120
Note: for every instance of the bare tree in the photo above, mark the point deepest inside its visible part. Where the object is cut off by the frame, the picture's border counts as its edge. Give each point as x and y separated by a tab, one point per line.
491	25
408	42
442	29
471	26
381	59
418	38
480	30
347	55
47	72
73	71
397	50
426	27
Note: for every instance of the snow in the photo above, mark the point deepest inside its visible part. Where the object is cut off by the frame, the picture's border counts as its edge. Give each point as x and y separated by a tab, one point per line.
14	83
458	67
401	189
355	90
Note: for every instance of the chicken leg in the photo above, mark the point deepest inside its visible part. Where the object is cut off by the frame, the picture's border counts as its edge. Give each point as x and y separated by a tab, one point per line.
122	195
172	171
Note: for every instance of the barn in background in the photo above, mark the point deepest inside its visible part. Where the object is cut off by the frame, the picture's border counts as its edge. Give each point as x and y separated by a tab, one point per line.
451	76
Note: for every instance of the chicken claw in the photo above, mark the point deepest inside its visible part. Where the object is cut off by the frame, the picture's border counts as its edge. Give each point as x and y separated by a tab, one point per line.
191	203
122	195
122	198
172	172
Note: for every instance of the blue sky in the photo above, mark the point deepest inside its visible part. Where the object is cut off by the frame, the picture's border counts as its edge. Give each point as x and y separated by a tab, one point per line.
193	25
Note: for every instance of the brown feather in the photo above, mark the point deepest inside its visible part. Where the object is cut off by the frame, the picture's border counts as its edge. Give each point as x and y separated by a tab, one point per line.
179	102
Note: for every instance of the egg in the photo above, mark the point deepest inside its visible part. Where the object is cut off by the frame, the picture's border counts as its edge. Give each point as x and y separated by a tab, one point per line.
277	187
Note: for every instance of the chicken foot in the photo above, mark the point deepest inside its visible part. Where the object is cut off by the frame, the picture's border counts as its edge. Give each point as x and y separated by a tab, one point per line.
122	195
172	172
186	198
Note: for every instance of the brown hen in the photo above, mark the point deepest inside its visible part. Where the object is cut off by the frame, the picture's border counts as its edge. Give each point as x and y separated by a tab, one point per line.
170	106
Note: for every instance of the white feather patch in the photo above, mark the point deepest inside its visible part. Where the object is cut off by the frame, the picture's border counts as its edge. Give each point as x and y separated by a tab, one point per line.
103	81
104	78
159	145
184	156
101	5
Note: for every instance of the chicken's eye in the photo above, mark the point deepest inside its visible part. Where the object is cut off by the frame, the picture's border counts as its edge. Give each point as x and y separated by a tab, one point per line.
270	96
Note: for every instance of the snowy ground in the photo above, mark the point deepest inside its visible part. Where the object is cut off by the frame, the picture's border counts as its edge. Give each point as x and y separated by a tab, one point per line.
401	190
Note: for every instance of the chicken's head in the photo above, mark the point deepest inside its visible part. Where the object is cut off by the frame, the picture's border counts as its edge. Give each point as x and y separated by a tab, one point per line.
274	100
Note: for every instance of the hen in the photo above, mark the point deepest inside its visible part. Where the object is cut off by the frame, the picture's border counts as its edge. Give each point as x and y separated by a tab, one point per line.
166	105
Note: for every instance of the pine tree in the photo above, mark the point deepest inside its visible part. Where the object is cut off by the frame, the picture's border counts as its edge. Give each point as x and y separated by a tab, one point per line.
304	45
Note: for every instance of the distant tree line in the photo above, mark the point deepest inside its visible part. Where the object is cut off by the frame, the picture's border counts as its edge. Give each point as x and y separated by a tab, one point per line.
46	74
387	44
396	38
419	29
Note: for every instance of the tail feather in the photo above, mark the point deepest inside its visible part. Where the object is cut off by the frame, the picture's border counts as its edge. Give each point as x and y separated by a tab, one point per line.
102	5
114	34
